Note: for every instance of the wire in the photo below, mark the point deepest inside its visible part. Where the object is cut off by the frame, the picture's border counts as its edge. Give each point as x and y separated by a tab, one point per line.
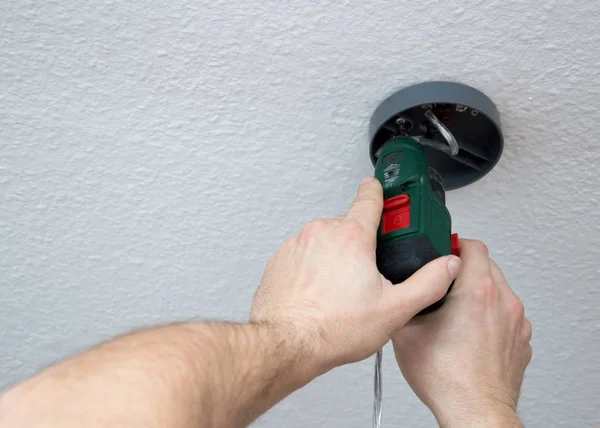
377	389
444	131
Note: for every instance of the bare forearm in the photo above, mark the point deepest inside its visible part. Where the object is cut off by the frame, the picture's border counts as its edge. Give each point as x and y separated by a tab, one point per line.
179	376
263	364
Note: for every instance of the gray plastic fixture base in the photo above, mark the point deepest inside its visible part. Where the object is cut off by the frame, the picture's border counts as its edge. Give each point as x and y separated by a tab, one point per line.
470	115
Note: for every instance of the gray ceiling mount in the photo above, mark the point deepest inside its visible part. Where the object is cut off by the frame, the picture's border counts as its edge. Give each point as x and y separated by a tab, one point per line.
471	117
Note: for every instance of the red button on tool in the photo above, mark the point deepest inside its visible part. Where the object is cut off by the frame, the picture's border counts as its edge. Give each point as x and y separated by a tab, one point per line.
455	244
396	214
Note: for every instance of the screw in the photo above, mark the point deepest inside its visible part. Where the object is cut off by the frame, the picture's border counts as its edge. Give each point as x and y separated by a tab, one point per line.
404	125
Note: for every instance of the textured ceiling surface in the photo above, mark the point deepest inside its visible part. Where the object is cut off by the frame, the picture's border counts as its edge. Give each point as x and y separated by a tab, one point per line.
154	154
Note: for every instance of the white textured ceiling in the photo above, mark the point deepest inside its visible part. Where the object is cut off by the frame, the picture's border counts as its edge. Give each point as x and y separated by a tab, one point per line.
153	154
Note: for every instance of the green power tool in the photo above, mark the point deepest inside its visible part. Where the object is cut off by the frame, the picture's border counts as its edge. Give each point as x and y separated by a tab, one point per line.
415	225
424	139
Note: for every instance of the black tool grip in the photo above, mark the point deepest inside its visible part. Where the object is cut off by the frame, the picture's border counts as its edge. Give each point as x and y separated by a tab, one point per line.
398	259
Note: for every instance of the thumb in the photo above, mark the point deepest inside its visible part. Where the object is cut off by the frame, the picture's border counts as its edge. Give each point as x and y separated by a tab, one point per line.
425	287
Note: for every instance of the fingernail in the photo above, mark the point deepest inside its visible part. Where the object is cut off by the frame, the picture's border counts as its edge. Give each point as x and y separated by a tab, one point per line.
454	265
366	180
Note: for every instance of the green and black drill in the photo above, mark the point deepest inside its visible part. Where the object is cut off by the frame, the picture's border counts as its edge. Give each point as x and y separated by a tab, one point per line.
415	135
415	225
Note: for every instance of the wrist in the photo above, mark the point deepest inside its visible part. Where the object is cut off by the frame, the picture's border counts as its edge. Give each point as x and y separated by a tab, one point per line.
295	349
261	362
483	414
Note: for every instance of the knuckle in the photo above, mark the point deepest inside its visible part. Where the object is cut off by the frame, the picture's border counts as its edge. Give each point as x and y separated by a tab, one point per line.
313	228
319	224
486	289
516	306
288	244
480	247
528	353
351	231
528	330
352	227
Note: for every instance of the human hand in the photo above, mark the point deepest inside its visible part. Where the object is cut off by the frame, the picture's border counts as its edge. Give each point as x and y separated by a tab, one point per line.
323	285
466	361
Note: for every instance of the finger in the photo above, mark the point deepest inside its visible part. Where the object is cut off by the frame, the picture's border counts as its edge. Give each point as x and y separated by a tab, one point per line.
368	204
476	263
424	288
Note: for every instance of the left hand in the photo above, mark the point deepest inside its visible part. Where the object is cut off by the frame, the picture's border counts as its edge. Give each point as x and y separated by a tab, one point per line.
323	287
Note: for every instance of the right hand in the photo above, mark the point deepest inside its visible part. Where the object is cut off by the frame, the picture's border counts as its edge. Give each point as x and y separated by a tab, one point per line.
466	361
324	289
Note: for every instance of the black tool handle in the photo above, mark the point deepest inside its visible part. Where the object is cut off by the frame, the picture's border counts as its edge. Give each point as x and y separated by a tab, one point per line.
398	259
